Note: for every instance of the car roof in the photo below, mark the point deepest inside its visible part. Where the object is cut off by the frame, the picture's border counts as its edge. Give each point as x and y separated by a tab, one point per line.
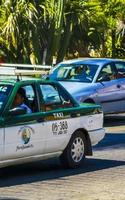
24	80
95	61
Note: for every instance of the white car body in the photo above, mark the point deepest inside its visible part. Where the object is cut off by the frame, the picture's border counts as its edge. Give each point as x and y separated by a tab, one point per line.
43	142
42	134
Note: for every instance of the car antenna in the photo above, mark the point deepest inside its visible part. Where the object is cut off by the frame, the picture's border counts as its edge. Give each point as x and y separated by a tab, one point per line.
19	77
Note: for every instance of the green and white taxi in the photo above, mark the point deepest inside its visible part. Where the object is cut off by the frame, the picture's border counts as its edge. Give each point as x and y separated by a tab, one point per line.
57	125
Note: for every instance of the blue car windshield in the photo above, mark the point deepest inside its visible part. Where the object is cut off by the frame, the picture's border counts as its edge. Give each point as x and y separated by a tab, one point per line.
4	94
74	72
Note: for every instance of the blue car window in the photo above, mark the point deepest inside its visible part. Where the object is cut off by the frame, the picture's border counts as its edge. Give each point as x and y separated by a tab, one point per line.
106	74
120	70
74	72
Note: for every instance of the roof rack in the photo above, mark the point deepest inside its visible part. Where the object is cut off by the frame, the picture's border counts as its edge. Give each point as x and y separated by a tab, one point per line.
23	69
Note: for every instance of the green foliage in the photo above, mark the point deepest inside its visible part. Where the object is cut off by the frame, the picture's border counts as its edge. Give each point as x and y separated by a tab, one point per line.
36	31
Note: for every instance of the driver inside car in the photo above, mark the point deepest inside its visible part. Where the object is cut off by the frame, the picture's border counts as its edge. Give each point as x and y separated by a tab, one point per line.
19	100
82	73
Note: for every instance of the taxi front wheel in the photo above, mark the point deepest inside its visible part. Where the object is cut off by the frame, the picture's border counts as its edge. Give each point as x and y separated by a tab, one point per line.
74	154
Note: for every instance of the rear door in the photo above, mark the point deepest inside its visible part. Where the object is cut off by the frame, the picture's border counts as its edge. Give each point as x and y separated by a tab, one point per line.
57	122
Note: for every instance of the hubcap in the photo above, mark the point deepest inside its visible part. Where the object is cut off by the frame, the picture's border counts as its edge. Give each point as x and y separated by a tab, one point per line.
77	149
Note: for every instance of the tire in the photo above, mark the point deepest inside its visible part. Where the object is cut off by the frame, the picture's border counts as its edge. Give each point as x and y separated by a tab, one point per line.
74	154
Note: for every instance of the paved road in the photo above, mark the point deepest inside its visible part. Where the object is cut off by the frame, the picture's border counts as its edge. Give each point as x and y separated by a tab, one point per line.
102	177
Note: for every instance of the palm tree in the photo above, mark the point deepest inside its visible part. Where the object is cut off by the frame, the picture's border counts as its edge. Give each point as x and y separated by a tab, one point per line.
51	13
114	12
17	25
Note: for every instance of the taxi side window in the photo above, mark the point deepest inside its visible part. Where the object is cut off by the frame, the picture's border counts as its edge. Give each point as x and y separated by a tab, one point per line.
52	98
30	100
25	99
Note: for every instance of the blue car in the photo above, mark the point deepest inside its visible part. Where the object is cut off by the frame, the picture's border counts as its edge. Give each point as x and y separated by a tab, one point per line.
94	80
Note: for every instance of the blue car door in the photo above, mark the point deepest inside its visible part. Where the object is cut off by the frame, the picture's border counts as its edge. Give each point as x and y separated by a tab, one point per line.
120	67
109	91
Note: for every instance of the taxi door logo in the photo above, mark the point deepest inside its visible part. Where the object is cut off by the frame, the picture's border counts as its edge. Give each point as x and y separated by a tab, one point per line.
26	134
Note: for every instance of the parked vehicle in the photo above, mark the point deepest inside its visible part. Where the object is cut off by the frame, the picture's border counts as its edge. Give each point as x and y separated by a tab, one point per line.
100	81
56	126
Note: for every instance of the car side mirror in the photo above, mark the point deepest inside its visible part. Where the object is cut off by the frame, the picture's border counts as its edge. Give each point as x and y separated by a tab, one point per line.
105	78
45	77
17	111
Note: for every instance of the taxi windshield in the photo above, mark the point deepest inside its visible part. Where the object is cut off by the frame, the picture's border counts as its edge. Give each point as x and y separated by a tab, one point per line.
74	72
4	94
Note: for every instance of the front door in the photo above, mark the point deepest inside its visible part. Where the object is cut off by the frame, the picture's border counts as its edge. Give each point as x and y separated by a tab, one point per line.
24	136
109	94
120	67
24	133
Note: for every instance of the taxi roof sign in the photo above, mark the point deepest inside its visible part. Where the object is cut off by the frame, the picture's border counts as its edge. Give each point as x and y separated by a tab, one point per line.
23	69
7	71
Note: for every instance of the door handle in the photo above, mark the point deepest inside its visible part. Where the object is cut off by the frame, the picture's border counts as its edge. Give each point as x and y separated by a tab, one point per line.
118	86
40	120
73	115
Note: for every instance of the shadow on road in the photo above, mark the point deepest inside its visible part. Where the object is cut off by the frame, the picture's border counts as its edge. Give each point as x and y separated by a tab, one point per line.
111	139
48	170
6	198
51	169
114	120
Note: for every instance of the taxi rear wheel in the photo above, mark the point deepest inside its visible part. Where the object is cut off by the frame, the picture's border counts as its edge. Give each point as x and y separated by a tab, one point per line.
74	154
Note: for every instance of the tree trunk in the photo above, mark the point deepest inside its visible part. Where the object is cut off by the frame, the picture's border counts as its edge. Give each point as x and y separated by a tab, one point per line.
104	49
113	43
56	34
64	41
